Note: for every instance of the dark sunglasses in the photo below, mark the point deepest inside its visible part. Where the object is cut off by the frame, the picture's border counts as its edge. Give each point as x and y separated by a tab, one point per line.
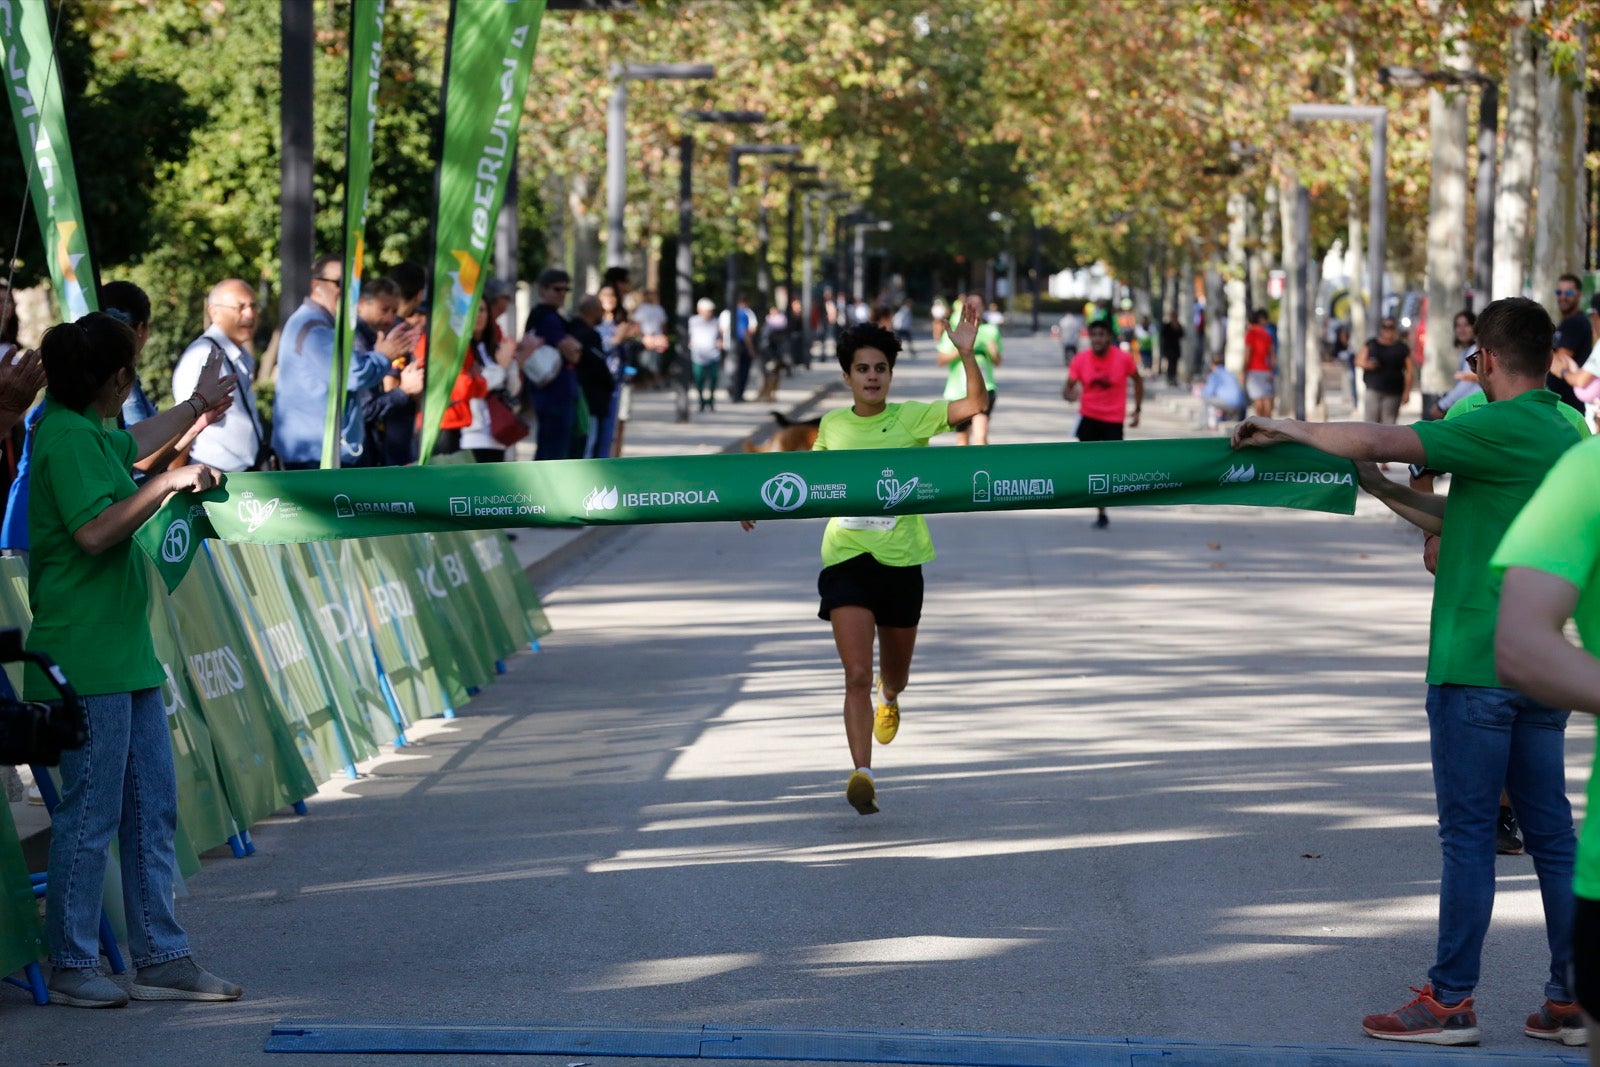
1472	362
1566	292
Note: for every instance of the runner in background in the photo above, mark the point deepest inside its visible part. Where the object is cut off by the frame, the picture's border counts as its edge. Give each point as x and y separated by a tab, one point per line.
871	580
1099	379
988	351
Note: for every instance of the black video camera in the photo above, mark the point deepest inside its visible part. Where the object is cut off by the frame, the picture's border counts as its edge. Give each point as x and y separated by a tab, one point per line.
33	731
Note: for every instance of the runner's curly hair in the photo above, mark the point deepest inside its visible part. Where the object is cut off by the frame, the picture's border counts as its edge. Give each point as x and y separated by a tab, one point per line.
866	335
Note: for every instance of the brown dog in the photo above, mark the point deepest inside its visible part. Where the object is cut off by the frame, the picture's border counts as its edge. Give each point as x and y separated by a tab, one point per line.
791	435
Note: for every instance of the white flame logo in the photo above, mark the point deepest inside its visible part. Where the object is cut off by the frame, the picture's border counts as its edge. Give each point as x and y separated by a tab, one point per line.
600	499
1238	474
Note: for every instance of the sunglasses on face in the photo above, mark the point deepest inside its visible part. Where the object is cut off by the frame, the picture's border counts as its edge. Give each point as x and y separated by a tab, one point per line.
1472	362
1566	292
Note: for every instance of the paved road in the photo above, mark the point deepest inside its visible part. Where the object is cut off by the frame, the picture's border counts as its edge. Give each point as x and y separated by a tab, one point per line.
1168	779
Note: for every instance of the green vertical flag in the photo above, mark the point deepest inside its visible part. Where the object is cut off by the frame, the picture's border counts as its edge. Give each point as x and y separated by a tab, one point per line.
33	85
486	75
366	58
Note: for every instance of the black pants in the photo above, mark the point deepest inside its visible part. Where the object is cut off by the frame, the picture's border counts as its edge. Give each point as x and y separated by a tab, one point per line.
741	374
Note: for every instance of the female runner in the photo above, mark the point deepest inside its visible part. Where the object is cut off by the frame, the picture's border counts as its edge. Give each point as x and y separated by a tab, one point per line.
871	580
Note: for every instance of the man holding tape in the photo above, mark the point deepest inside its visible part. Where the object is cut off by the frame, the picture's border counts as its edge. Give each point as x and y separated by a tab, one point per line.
1482	734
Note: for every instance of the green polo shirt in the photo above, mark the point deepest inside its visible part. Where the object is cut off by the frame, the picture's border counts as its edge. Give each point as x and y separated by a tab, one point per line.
89	612
1559	533
1498	455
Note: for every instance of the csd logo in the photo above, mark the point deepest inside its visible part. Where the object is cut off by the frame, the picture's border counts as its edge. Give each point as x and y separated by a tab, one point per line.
255	512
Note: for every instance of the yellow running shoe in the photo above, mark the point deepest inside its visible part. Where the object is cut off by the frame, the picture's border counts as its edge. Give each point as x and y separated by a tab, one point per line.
861	793
886	723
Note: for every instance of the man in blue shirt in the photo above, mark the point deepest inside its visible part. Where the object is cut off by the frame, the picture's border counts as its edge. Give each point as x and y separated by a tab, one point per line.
305	367
554	402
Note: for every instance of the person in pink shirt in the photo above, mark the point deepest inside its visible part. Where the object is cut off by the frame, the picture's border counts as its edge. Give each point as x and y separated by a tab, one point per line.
1097	379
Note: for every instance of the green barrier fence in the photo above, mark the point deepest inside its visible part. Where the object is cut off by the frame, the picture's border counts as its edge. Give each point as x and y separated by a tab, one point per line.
21	937
261	757
411	665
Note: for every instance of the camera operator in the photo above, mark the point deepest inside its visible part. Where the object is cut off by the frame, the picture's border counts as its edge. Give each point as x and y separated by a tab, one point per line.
89	594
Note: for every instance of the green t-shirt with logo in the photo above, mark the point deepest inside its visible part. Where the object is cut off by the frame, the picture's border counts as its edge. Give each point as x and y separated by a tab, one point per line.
1559	533
1498	455
89	612
894	540
1474	401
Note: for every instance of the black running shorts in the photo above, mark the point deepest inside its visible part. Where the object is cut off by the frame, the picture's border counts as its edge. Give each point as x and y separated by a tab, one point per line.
966	424
892	594
1098	429
1586	956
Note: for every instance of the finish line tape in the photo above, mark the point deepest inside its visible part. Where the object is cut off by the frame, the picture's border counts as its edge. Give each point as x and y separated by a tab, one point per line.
301	506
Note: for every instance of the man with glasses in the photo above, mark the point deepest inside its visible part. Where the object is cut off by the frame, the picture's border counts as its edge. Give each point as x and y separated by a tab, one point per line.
234	442
1482	734
1574	339
1386	366
554	402
305	364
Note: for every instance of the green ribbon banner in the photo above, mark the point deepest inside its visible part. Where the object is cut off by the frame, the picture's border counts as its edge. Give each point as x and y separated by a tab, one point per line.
486	77
366	60
33	85
302	506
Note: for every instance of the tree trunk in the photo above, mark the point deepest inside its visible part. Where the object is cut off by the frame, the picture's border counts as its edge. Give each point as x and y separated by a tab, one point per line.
1513	205
1355	255
586	226
1289	305
555	226
1559	224
1447	236
1316	401
1190	358
1216	311
1266	244
1237	282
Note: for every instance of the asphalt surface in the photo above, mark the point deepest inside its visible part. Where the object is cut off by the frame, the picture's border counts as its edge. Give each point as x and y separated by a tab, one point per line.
1165	780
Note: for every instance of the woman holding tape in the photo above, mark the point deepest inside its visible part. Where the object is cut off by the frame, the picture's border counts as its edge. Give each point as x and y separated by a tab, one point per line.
89	594
871	580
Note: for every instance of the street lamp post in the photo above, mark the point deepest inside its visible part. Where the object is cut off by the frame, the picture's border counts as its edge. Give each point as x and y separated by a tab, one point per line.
858	263
617	139
685	265
1487	176
734	154
813	229
1378	185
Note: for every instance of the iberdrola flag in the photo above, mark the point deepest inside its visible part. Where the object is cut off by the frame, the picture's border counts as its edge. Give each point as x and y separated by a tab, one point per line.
366	60
490	53
33	85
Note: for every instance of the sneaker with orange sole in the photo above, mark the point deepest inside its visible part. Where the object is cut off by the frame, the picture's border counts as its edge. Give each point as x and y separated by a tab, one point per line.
1425	1021
1555	1021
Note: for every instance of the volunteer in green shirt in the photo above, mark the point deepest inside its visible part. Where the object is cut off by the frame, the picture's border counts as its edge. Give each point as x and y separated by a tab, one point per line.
871	580
88	590
1551	561
987	349
1482	734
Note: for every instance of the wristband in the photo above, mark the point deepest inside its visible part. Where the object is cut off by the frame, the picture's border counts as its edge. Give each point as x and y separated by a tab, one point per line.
199	408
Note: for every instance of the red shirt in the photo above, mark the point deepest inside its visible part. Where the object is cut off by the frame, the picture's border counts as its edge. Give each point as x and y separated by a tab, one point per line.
1258	342
1105	382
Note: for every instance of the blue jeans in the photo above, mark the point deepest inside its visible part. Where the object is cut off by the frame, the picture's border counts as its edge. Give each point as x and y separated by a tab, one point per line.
120	784
1482	738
